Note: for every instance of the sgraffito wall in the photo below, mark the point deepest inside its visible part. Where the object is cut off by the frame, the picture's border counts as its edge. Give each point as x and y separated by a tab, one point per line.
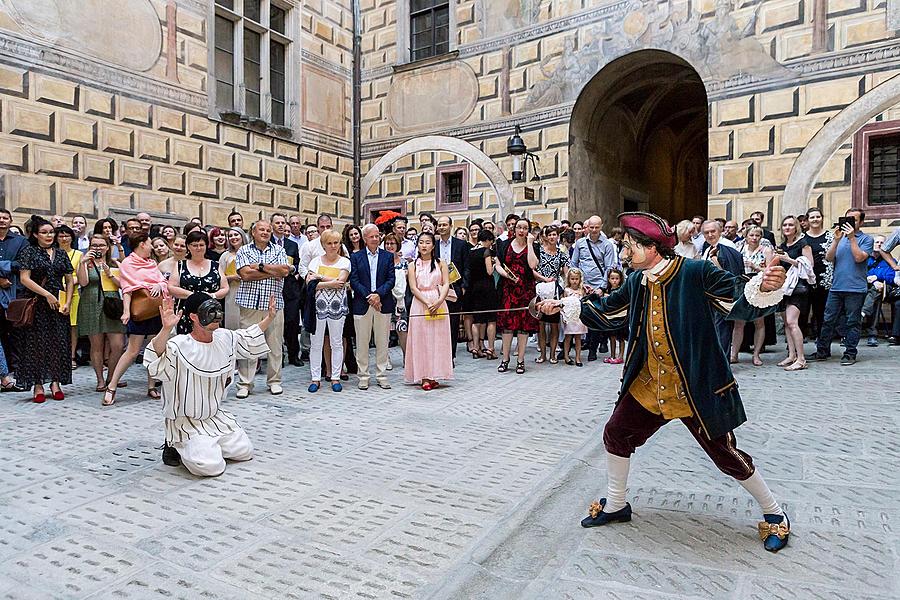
774	73
106	107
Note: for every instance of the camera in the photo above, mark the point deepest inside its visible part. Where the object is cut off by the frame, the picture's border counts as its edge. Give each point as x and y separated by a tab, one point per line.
849	220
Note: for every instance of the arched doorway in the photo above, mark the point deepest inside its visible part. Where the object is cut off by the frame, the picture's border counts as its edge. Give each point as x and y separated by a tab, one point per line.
638	140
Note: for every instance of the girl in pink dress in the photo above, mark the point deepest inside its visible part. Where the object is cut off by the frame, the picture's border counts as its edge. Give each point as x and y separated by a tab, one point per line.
428	353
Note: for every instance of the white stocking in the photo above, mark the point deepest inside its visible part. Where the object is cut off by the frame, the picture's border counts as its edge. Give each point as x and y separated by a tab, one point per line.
617	482
760	491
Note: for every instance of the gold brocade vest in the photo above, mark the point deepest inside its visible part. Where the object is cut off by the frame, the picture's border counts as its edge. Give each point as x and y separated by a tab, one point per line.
658	387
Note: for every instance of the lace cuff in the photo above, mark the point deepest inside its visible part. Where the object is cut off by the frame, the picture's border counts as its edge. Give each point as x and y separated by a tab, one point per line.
758	298
571	309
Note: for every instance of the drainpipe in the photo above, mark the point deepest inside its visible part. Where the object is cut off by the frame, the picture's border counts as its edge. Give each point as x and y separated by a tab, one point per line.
357	111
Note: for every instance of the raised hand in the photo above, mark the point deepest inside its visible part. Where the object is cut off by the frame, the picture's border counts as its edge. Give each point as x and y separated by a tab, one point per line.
168	315
272	306
773	275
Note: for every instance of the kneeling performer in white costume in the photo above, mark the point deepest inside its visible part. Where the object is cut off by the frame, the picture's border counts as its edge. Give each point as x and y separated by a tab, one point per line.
196	371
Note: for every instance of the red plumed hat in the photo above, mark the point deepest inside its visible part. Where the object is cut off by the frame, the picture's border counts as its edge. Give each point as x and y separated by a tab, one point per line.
653	226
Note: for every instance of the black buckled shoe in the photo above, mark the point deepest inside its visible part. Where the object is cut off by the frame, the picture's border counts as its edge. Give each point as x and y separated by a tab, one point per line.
596	517
170	456
775	531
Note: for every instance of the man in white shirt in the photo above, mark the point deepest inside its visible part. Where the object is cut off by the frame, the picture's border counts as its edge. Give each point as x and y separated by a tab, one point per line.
697	237
82	240
313	247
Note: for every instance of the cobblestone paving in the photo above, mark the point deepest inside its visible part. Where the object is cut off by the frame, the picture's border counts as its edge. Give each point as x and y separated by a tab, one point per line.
472	490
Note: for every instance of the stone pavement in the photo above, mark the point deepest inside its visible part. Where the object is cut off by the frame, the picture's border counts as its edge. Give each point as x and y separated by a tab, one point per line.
470	491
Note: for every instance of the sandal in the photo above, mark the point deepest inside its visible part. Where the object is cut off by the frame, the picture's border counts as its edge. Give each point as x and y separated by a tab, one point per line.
788	361
797	366
540	360
489	354
426	385
520	368
554	361
153	394
503	367
757	362
570	362
101	387
109	398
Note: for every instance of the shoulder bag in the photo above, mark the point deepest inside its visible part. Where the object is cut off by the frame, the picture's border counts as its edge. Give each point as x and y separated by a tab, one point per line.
112	305
600	266
20	312
143	305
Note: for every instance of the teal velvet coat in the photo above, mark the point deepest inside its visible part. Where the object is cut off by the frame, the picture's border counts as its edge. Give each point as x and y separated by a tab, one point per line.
691	291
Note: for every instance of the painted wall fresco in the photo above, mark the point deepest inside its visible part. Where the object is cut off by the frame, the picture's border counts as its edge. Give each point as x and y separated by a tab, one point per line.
496	17
719	47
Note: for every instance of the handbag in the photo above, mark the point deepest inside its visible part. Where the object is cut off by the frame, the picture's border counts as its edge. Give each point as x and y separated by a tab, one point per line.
20	312
112	306
143	305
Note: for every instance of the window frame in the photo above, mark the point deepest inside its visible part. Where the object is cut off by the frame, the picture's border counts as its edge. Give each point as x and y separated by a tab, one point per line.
859	179
267	37
404	35
440	200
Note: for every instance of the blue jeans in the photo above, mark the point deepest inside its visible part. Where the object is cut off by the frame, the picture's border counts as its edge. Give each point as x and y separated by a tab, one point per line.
841	304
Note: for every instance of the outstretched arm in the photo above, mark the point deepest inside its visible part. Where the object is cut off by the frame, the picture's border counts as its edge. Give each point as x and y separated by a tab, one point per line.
270	316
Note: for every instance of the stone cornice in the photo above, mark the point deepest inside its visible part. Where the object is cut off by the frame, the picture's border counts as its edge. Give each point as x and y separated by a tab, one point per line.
479	131
314	59
324	141
30	55
807	70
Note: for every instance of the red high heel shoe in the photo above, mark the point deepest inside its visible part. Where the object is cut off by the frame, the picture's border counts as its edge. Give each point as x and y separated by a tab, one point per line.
59	395
39	398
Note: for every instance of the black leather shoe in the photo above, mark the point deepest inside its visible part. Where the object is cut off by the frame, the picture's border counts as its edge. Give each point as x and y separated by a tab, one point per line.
592	356
596	517
170	456
774	531
304	355
296	362
603	349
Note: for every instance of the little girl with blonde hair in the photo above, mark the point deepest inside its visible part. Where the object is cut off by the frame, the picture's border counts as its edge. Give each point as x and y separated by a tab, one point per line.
574	328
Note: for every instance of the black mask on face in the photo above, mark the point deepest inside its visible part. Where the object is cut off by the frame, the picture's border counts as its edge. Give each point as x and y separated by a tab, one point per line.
210	312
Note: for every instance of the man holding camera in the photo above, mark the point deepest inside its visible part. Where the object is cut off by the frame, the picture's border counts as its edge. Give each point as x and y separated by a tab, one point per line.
196	370
849	253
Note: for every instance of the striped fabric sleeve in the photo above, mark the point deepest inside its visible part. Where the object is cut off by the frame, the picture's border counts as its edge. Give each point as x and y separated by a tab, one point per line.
250	343
161	368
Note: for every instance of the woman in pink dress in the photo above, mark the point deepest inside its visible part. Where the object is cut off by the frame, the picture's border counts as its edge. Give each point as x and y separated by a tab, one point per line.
428	353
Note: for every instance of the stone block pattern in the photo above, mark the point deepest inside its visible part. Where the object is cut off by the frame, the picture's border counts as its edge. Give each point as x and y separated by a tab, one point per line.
754	138
68	148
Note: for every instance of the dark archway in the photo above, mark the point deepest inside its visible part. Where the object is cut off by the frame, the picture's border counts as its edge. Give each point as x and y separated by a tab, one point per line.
638	140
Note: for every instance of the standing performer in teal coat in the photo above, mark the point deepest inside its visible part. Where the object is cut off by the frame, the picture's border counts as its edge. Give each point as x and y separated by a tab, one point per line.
675	368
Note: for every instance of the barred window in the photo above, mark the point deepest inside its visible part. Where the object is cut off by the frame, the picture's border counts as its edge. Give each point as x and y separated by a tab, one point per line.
429	28
883	170
251	55
875	169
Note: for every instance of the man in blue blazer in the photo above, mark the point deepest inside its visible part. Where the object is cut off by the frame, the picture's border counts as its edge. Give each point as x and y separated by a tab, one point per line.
372	279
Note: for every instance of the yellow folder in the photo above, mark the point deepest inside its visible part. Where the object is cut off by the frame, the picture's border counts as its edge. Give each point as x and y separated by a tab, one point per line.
326	271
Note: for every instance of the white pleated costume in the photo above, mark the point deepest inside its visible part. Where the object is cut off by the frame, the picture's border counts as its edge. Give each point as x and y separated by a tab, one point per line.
196	377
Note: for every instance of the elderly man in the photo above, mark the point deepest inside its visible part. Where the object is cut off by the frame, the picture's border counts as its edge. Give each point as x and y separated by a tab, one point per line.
716	251
196	370
146	221
372	277
595	255
675	369
730	232
262	267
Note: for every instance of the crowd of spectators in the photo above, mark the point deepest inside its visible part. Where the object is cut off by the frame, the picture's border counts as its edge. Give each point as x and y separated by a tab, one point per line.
73	295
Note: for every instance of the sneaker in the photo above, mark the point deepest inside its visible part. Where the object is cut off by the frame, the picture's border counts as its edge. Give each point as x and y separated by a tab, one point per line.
872	341
275	389
390	366
243	393
847	360
363	385
816	356
893	341
383	384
